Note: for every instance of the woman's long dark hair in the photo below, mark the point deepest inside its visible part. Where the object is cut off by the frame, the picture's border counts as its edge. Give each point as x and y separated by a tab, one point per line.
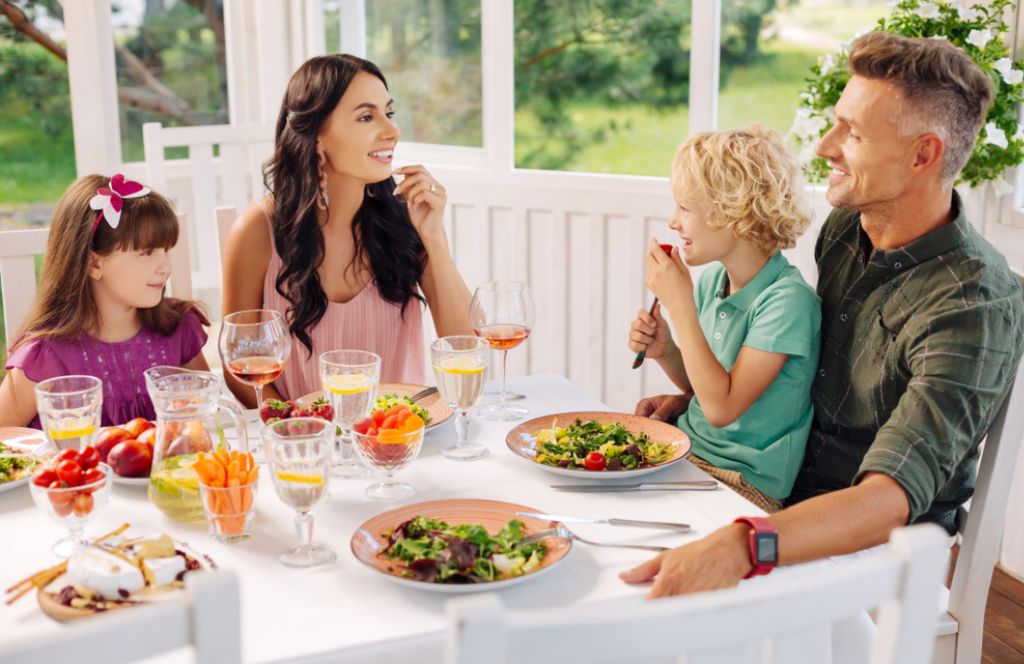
384	236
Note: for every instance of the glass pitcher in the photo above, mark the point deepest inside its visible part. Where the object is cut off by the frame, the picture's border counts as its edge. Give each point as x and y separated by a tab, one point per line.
186	407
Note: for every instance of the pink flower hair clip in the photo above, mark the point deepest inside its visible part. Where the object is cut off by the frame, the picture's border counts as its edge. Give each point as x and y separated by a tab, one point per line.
109	200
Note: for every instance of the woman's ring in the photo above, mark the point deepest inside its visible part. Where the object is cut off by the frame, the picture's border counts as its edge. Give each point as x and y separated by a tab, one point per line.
433	187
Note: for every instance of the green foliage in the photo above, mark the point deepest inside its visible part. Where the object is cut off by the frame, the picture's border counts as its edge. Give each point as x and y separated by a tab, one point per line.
979	31
612	53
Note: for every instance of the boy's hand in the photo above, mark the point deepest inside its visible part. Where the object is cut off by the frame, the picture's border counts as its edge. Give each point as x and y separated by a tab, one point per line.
649	333
664	407
667	276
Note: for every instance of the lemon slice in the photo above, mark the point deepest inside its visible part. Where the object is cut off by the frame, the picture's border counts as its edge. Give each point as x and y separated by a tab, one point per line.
183	479
459	364
301	478
347	383
72	428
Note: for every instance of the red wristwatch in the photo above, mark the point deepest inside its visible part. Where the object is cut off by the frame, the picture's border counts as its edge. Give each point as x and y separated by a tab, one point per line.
763	543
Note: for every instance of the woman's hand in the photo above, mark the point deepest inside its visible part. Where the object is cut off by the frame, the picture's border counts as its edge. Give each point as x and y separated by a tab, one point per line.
425	198
667	276
649	333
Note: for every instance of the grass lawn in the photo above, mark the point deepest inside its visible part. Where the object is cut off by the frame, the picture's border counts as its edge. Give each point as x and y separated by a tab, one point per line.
34	167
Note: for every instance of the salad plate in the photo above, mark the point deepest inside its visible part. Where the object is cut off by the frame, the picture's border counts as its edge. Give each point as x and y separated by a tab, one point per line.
21	440
388	394
629	445
372	543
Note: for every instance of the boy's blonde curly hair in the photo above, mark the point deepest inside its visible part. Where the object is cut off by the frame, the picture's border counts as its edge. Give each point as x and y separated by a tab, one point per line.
749	181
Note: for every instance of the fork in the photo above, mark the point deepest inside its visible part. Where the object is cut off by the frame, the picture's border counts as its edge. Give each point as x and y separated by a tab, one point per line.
565	533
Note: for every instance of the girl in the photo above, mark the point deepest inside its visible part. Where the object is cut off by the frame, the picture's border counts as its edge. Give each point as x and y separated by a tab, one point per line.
341	251
749	336
101	309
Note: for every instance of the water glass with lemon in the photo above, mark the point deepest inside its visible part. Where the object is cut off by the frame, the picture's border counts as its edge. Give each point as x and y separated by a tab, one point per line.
70	408
299	453
459	366
349	380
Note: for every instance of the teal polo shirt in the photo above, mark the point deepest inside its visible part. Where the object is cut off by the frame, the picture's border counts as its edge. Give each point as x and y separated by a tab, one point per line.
778	312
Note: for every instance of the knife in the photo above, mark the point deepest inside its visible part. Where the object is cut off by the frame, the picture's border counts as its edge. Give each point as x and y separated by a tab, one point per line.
698	485
663	525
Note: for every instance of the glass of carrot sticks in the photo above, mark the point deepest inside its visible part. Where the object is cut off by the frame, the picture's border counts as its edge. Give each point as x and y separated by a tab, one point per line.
227	486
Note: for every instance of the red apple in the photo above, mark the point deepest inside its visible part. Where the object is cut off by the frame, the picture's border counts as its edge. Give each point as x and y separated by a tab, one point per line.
130	458
107	438
148	438
137	426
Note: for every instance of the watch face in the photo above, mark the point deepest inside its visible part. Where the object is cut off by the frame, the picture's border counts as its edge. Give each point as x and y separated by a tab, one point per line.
767	548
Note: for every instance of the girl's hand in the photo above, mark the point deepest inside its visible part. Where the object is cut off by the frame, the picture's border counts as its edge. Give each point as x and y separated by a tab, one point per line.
425	198
649	333
667	276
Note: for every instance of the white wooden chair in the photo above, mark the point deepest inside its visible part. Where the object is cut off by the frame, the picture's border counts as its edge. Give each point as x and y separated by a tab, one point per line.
18	250
961	625
207	617
238	181
780	620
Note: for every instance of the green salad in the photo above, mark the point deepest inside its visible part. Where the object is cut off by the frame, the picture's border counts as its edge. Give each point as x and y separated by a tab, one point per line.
431	550
14	469
386	401
595	446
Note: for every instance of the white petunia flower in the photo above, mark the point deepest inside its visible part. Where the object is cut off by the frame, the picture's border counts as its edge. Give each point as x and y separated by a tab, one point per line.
807	152
979	38
1001	187
995	136
928	10
968	14
1005	68
942	37
828	63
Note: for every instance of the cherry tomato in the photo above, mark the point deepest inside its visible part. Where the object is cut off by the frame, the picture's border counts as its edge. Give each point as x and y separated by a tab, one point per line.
594	461
92	476
69	472
82	504
362	425
88	457
61	500
45	477
68	455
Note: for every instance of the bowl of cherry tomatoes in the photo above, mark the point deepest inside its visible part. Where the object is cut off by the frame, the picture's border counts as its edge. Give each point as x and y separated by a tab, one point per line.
72	486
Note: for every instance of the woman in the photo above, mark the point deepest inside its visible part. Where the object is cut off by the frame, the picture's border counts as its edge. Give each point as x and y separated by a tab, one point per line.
336	247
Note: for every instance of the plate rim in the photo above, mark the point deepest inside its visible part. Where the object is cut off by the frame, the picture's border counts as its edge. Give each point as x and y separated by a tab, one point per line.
450	588
599	476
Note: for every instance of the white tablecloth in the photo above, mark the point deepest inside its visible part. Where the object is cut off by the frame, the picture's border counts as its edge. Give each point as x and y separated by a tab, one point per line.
347	612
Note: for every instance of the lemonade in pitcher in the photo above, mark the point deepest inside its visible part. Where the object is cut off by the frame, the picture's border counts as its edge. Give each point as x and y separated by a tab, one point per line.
186	406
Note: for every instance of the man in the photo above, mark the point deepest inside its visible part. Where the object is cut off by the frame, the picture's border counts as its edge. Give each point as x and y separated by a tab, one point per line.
921	325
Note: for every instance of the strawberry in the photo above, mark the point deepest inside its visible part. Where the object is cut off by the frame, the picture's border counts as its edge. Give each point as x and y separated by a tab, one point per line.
667	248
322	408
275	409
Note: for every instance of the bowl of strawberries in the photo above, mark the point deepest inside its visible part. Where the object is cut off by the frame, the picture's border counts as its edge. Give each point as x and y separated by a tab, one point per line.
272	410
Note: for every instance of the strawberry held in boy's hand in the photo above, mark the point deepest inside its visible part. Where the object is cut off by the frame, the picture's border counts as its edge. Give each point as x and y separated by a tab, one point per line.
667	248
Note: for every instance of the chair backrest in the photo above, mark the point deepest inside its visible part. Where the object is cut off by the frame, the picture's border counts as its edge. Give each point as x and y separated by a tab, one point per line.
206	617
18	250
783	619
983	527
242	150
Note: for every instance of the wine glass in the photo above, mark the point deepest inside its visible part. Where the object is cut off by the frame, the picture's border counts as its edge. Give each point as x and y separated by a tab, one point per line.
73	506
390	450
349	380
459	363
502	313
299	453
70	409
254	346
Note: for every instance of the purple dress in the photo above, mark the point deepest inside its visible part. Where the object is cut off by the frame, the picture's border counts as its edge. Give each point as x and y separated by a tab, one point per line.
119	365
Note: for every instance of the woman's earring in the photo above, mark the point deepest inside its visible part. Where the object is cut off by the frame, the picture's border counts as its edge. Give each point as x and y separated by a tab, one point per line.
321	200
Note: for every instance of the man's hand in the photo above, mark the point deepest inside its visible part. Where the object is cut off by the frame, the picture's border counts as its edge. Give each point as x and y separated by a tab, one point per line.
664	407
720	560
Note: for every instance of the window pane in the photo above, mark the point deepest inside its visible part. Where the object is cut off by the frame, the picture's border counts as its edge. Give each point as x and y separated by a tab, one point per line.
37	151
170	66
601	86
429	52
766	54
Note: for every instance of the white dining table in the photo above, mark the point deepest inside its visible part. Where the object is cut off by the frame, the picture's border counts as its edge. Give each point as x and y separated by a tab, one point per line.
347	612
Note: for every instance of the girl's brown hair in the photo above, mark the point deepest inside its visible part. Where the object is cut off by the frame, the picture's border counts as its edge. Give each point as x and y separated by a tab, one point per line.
65	306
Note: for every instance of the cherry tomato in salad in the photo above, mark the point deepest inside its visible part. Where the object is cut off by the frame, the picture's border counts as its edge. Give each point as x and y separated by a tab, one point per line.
92	475
82	504
88	457
69	472
61	500
594	461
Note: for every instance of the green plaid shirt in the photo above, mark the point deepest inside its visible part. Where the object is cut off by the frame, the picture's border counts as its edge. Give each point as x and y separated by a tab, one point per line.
919	347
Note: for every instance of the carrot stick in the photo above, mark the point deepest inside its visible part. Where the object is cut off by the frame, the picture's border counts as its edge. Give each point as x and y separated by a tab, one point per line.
222	456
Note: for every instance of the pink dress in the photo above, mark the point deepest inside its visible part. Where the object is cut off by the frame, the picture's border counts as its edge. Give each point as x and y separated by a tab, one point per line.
366	322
